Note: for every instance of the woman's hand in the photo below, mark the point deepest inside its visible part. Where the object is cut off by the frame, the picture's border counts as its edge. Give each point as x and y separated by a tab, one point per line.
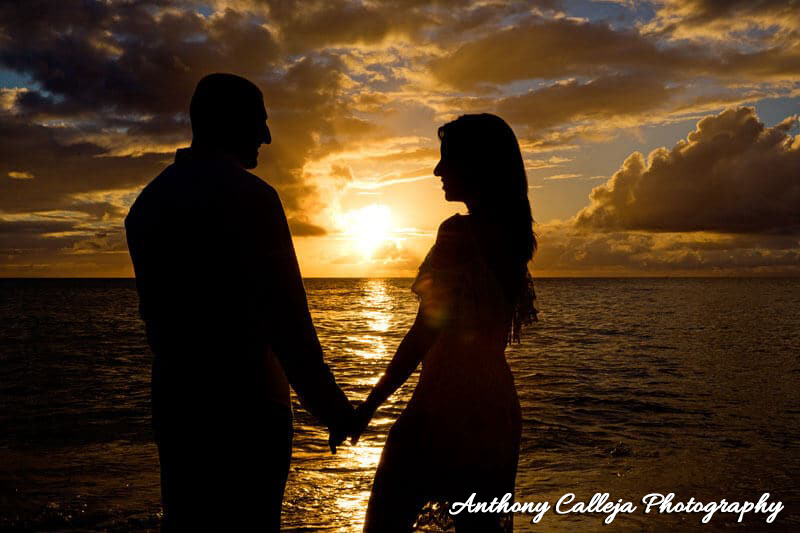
363	415
412	349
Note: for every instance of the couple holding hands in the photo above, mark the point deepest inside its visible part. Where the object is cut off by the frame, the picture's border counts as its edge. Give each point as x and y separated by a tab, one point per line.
227	319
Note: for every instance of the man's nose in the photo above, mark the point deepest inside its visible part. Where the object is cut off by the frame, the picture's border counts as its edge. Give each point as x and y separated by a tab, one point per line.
267	138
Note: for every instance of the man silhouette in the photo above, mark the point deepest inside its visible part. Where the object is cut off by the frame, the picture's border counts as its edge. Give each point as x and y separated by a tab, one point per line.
227	319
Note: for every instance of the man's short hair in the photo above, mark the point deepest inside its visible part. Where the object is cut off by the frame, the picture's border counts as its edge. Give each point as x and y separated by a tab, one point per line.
220	102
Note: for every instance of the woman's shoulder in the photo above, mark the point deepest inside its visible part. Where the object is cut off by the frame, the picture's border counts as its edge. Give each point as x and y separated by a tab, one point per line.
453	241
455	224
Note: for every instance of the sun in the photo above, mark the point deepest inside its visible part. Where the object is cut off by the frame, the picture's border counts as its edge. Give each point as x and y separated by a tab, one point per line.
369	227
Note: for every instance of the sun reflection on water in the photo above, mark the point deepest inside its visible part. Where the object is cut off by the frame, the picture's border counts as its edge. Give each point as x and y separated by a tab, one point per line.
355	506
377	319
366	336
363	457
372	342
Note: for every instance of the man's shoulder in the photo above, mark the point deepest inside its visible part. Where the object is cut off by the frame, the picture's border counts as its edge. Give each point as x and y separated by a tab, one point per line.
256	196
252	184
150	193
191	182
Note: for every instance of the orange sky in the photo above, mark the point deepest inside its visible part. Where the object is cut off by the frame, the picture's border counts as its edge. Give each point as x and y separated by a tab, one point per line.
660	138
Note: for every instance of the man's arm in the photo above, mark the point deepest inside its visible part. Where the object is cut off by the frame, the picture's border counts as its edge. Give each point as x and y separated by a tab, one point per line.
288	324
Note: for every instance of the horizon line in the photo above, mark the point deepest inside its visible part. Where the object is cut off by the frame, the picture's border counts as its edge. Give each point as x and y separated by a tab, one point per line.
597	276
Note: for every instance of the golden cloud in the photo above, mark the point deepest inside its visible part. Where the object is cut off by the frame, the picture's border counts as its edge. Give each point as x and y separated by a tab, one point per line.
731	174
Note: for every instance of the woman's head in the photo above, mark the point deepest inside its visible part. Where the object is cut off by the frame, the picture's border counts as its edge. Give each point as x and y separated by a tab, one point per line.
481	165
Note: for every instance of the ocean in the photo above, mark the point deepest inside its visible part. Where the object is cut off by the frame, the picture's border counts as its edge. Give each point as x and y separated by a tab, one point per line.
628	387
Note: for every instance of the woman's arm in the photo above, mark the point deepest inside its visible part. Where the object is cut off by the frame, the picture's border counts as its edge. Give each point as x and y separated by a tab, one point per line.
412	349
432	316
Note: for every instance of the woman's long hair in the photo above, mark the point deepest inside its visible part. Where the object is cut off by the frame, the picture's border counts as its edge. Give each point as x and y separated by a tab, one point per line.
488	157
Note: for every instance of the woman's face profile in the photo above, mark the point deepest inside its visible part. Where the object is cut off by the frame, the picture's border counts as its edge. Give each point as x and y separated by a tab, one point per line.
448	169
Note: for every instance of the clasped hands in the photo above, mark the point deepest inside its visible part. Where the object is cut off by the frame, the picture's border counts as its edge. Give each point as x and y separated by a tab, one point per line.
353	426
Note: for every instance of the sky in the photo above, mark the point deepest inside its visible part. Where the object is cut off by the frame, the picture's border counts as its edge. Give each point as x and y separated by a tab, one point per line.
660	138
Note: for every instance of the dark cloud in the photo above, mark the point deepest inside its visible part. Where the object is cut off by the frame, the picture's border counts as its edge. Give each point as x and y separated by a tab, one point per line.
109	102
697	12
309	25
306	25
126	57
565	251
58	234
550	48
308	119
61	167
558	48
732	175
34	227
599	100
712	18
303	228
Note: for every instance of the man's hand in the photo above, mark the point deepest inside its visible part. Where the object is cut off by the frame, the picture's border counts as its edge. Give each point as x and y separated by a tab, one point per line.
341	430
336	438
363	415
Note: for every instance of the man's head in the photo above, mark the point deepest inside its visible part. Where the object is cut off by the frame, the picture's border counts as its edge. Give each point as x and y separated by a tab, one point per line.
228	115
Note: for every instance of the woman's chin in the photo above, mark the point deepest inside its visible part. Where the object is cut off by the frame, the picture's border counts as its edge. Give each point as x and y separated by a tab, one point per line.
450	196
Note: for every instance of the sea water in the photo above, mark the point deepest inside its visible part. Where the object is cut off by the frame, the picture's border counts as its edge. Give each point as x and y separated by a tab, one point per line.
628	387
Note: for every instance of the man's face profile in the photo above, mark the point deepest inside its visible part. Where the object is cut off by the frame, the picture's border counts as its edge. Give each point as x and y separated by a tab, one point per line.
252	133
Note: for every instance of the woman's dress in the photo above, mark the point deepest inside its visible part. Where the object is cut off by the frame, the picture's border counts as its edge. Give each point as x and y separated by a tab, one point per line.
460	432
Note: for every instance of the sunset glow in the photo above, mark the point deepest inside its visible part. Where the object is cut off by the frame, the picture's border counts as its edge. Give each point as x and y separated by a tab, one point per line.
659	137
368	227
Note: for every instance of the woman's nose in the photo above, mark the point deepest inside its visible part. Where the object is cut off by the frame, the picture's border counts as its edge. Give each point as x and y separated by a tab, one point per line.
437	170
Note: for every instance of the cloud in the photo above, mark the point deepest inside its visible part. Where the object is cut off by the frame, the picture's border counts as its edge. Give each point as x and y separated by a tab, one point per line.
554	48
308	120
61	167
550	162
599	100
562	176
724	201
20	175
307	25
354	91
302	228
121	75
710	18
392	255
108	102
57	231
540	48
567	251
126	57
731	174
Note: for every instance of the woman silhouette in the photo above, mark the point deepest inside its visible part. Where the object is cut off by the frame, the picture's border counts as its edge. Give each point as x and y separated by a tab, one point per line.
460	432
